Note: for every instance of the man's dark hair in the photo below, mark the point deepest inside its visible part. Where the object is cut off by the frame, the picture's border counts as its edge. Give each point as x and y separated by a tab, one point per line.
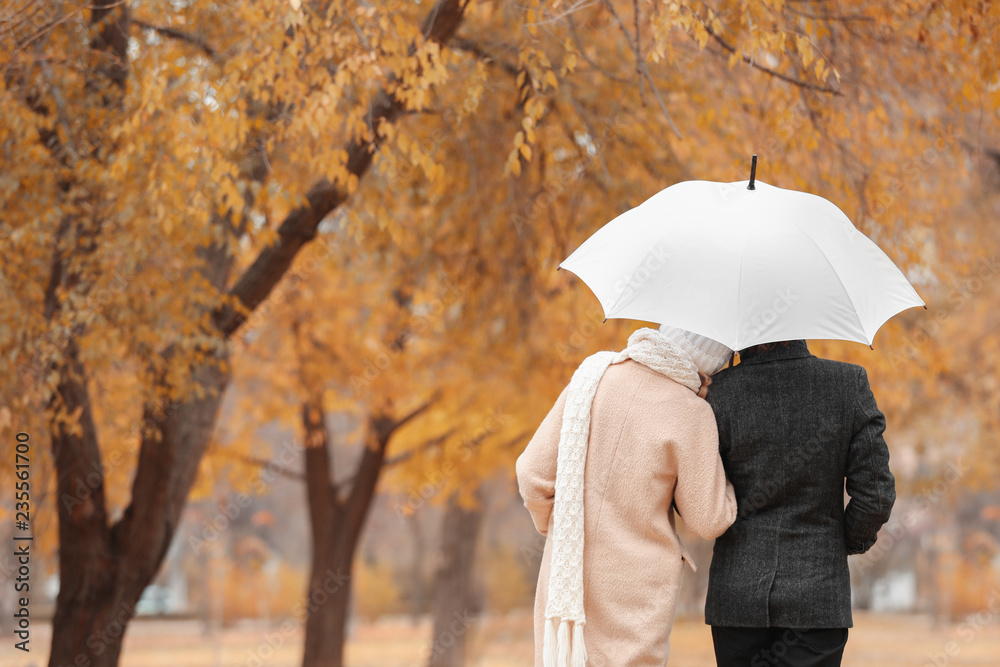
767	347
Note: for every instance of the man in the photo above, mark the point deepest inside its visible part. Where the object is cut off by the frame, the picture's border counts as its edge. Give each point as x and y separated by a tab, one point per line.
792	428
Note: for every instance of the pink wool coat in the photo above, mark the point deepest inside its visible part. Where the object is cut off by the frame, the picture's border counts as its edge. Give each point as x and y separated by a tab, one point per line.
653	442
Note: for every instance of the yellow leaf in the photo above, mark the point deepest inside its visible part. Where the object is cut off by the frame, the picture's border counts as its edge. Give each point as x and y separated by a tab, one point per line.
569	63
514	163
805	50
700	35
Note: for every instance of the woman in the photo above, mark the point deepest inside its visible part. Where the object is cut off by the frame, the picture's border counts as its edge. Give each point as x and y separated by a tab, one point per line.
629	437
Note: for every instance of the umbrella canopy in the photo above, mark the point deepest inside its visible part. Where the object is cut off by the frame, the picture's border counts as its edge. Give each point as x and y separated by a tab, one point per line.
743	266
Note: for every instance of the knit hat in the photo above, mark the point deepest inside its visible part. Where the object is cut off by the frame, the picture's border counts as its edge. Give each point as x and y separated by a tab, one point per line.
707	354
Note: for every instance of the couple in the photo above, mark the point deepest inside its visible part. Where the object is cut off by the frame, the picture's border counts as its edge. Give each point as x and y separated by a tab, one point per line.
758	460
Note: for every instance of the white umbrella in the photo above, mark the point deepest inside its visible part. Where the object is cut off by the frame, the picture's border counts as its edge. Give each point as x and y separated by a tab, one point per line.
743	266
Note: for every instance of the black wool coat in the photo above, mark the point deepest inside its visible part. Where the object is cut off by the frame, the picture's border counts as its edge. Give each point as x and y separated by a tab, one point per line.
792	428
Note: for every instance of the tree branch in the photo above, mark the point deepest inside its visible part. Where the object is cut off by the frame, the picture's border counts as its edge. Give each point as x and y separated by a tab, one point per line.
638	48
399	458
264	463
767	70
299	227
583	54
180	35
476	49
641	64
407	455
831	17
515	440
399	423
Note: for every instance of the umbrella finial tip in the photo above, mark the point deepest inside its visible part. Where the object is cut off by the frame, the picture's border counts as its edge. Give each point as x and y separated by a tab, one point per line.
753	172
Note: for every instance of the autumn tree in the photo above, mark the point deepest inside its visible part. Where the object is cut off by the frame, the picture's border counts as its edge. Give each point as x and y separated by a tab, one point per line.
165	165
142	177
386	375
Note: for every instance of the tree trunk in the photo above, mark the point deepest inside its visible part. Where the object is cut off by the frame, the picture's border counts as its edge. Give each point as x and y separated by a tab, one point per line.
94	624
328	607
336	528
454	603
336	523
418	593
104	568
327	594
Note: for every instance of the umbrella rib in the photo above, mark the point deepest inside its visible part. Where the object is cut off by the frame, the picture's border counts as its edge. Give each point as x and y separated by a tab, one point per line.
850	298
630	275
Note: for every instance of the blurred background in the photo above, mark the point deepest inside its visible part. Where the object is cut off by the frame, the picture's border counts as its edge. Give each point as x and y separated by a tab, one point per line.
280	306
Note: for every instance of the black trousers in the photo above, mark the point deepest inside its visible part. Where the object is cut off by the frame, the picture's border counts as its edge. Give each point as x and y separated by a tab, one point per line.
787	647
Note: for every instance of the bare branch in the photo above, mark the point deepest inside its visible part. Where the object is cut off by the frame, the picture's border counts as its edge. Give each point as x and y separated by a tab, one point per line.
778	75
638	49
583	54
39	33
515	440
399	423
263	463
476	49
642	67
831	17
343	484
180	35
409	454
568	14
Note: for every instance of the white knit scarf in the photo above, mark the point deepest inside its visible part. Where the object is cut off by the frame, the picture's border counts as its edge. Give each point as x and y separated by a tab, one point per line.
565	593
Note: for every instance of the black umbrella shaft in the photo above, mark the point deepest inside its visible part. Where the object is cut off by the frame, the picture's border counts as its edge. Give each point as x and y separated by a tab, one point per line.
753	172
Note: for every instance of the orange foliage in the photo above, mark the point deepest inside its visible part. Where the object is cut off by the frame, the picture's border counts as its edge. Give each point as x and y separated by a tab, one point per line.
534	126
